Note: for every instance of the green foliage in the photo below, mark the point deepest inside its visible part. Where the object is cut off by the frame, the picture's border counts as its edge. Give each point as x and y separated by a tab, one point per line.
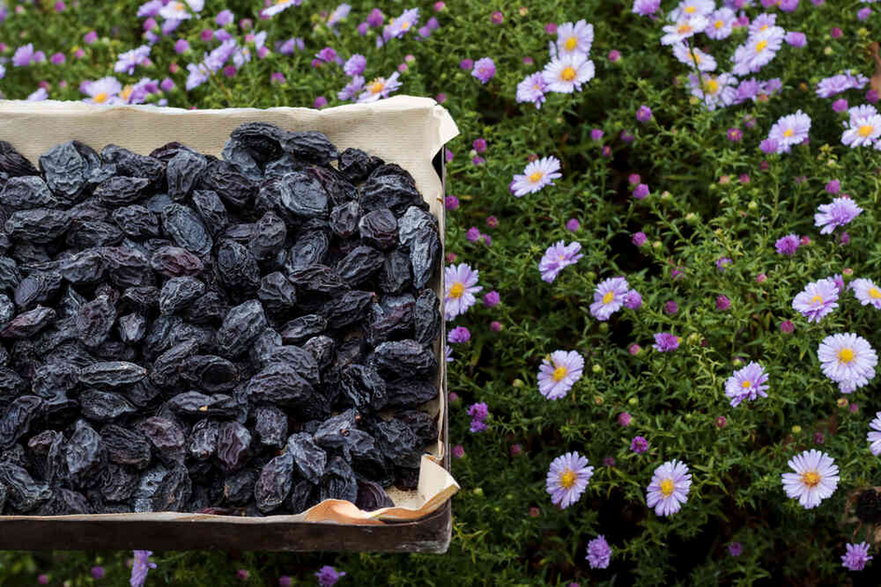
711	198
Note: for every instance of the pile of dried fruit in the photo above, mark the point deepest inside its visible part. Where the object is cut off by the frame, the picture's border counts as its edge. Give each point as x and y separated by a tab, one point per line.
247	335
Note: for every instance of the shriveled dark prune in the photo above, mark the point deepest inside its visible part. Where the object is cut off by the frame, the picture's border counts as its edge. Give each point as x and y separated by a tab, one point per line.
111	374
128	267
118	483
357	165
29	323
23	492
210	307
371	496
300	359
67	167
132	328
361	388
126	446
424	257
86	266
194	403
310	147
16	419
359	265
176	262
40	287
302	196
185	228
271	426
334	432
318	279
423	425
9	273
11	383
379	228
103	406
132	164
409	393
203	439
95	320
404	358
391	318
26	192
143	299
174	491
390	187
281	384
277	293
238	488
168	365
84	234
274	482
224	178
210	373
310	249
309	459
121	190
397	442
178	293
84	452
263	346
240	327
147	486
237	268
166	436
322	348
347	309
344	219
268	238
13	163
426	317
37	226
182	172
303	328
210	208
339	481
233	444
136	221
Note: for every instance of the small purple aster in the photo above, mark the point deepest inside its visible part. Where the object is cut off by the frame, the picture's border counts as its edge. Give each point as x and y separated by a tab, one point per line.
735	549
461	285
646	7
669	488
556	258
722	302
748	383
639	238
790	130
632	300
641	191
608	297
328	576
568	477
558	373
484	69
817	300
639	445
666	342
140	567
787	245
532	89
355	65
599	553
458	335
644	114
867	292
839	213
856	557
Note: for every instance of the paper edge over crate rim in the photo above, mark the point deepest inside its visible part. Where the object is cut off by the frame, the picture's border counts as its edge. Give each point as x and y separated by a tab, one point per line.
435	485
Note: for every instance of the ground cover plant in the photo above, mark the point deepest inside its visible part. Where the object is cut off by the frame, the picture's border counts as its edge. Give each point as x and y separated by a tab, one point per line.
663	268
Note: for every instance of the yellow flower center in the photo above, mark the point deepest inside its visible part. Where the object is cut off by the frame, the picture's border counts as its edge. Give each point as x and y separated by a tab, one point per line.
568	74
536	176
788	133
866	130
764	27
846	355
811	478
567	479
817	299
874	293
711	86
761	46
101	98
571	43
559	373
607	299
376	86
457	290
690	9
667	487
406	25
126	92
719	24
746	384
684	28
696	58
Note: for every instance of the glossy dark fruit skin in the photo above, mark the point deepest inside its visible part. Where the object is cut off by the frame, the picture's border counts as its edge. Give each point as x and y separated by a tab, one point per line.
246	335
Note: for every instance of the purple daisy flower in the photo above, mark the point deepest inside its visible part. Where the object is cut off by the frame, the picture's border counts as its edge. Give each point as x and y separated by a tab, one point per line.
748	383
692	8
713	90
557	257
461	285
459	335
351	90
558	373
608	297
856	557
567	73
278	7
721	23
128	61
103	91
874	437
140	567
837	84
568	477
328	576
863	127
683	28
669	488
380	88
666	342
787	245
25	55
758	51
632	300
848	360
867	292
839	213
574	37
599	553
817	300
646	7
484	69
694	57
790	130
815	478
537	175
355	65
532	89
639	445
401	25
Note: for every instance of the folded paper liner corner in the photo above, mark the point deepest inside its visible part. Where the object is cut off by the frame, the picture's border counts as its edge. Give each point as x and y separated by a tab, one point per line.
405	130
